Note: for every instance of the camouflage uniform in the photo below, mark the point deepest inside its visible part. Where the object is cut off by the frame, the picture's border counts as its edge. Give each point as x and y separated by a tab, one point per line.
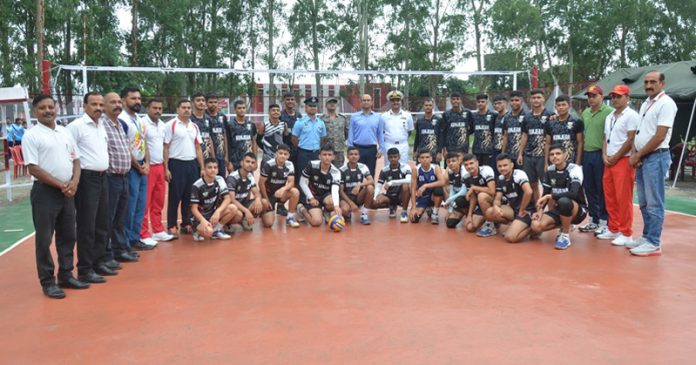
336	134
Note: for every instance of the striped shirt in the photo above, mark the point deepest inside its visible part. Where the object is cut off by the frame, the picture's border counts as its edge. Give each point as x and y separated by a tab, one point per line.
119	150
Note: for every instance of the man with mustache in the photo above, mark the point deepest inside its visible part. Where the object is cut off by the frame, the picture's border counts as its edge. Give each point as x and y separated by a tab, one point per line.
120	161
651	159
140	168
53	159
91	200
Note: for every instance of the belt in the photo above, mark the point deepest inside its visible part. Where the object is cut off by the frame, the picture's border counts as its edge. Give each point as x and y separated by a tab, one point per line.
117	175
659	150
306	150
365	145
93	173
396	142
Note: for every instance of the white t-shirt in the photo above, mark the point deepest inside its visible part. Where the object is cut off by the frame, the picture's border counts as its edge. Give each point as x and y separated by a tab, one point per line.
657	112
182	139
92	142
155	139
53	150
397	126
616	129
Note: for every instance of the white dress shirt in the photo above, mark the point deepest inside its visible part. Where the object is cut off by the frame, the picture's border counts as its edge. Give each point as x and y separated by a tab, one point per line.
92	143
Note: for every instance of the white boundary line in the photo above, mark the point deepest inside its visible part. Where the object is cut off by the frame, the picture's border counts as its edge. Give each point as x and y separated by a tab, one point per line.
20	241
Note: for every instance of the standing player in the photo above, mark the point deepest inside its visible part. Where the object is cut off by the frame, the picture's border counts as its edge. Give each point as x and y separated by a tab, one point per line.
565	130
532	143
199	118
217	132
480	184
428	132
456	126
500	106
289	116
514	186
241	136
393	186
457	205
245	194
426	188
320	183
272	133
564	194
512	125
358	186
211	204
482	123
277	185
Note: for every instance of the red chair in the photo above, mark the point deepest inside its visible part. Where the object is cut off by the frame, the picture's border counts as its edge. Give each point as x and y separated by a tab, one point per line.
18	161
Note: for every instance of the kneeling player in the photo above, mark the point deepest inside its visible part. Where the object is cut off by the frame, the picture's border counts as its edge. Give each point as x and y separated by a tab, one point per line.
245	194
564	195
514	185
456	203
277	185
211	205
394	186
426	188
480	185
320	183
358	186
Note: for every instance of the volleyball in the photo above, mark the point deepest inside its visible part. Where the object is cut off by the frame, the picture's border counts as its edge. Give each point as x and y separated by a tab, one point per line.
337	223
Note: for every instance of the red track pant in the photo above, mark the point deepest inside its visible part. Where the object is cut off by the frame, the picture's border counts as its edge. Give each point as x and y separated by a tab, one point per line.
618	194
155	201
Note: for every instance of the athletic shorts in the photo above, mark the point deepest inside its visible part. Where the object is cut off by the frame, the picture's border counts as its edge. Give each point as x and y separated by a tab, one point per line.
393	195
353	198
556	215
462	205
527	219
273	200
534	168
320	199
424	201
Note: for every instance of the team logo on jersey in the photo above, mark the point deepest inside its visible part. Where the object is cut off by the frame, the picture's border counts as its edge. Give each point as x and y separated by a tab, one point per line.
348	178
433	122
543	119
553	181
504	189
273	174
488	117
521	118
205	194
316	177
570	125
248	126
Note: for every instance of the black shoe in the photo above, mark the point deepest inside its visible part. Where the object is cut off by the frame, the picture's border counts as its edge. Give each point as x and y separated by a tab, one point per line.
185	230
113	265
72	283
135	254
125	257
139	246
92	278
282	210
53	291
104	270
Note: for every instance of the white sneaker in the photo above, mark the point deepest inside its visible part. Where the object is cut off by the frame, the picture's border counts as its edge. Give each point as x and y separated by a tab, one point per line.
608	235
197	237
162	236
148	241
601	228
622	240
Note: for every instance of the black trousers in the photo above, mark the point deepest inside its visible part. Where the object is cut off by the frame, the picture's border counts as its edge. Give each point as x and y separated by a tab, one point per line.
118	211
53	212
184	174
92	207
368	156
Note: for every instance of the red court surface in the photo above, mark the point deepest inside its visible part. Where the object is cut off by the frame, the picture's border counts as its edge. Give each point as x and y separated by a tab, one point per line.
388	293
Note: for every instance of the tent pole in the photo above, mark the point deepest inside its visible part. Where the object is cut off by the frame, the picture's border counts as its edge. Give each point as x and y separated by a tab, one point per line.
686	141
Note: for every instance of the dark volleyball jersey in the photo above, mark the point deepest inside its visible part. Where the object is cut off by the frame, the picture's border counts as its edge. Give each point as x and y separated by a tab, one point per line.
498	133
240	187
565	183
428	134
239	138
208	196
512	124
353	177
566	134
272	137
455	129
217	134
534	126
204	128
276	176
455	179
485	175
289	121
319	182
426	177
483	131
512	189
389	174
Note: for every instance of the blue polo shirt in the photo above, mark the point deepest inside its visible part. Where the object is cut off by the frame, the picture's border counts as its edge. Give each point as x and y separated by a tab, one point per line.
366	129
309	132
